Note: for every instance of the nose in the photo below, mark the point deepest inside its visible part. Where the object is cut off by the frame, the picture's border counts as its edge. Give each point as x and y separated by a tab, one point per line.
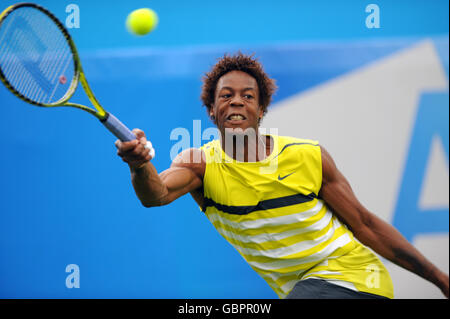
236	101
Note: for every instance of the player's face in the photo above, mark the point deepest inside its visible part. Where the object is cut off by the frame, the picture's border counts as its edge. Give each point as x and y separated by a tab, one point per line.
237	101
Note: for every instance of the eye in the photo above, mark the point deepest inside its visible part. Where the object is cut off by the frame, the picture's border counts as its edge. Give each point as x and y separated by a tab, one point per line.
225	95
248	96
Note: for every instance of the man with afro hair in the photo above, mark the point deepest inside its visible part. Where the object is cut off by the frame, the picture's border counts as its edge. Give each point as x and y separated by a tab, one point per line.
280	201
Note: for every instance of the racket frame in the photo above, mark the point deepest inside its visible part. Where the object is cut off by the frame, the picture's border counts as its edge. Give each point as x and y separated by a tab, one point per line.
78	76
107	119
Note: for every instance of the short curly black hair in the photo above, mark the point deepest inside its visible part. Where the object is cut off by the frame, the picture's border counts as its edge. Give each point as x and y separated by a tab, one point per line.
238	62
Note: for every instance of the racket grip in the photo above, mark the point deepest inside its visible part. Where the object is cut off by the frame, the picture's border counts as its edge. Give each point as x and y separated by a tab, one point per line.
122	132
118	128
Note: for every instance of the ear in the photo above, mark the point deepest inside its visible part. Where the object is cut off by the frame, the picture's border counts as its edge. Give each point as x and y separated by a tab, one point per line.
261	112
211	114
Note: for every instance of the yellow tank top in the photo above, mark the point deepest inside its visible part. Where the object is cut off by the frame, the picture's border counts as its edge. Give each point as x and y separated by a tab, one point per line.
270	212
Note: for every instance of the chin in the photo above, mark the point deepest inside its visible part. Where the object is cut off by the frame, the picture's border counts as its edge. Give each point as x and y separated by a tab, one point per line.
242	125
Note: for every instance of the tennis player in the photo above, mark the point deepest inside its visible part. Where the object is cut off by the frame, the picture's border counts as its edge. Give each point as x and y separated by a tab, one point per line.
280	201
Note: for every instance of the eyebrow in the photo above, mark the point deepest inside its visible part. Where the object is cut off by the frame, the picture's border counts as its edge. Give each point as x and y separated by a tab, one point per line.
231	89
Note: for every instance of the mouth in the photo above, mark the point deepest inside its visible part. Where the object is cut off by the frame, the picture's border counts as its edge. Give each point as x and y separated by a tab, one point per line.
236	118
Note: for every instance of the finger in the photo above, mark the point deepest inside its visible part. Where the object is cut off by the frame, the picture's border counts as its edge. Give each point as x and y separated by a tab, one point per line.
143	141
146	154
128	146
138	150
139	133
137	154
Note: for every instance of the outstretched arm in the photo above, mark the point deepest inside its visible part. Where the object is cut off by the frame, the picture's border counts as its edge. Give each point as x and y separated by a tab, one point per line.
373	231
155	189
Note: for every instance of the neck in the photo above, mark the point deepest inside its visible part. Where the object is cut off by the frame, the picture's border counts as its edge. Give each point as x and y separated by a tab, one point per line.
245	145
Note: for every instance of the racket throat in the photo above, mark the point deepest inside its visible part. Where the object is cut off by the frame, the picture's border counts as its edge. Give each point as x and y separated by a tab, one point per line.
101	113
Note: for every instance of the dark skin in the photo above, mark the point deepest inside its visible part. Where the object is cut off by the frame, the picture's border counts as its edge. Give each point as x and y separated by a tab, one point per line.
237	94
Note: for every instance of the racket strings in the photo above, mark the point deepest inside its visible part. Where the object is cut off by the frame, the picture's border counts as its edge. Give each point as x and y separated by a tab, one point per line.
57	55
16	46
35	57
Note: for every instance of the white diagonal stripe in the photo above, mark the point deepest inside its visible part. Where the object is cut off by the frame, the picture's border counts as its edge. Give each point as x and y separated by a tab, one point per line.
294	248
261	238
283	263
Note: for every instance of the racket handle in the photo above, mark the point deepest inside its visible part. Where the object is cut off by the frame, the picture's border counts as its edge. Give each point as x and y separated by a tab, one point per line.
118	128
122	132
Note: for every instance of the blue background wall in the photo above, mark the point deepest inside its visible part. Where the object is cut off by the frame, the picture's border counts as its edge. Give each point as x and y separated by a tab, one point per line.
66	198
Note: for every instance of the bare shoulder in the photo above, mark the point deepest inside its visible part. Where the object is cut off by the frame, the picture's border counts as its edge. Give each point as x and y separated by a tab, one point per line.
193	159
329	169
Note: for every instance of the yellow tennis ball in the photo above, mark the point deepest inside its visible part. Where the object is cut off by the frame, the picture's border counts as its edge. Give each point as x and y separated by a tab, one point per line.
142	21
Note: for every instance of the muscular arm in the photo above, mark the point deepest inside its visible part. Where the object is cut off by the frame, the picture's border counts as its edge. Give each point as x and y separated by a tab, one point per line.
373	231
153	189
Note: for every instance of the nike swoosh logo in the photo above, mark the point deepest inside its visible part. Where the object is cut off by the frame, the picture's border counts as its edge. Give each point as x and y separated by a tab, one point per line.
281	178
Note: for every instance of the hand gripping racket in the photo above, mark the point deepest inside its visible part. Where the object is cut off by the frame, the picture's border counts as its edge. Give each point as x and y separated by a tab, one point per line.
39	64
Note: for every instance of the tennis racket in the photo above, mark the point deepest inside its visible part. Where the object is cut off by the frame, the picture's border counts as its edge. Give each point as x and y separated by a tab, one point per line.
39	64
